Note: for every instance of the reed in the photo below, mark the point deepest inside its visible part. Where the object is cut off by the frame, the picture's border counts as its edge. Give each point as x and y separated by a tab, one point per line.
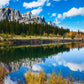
34	78
3	71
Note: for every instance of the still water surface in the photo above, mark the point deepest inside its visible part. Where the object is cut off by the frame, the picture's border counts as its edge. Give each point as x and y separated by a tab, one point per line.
65	60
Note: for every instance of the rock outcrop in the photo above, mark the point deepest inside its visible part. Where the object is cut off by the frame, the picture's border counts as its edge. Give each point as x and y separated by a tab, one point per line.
29	18
50	23
10	14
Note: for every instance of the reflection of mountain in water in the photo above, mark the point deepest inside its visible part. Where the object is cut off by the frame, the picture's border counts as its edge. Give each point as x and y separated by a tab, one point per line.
14	58
46	58
14	66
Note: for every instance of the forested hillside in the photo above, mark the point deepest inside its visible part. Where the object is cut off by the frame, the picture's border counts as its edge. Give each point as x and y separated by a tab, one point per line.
14	27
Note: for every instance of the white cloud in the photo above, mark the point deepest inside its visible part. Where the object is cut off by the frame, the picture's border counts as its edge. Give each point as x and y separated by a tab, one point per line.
62	59
74	12
36	68
71	13
54	64
4	3
74	66
33	4
56	21
7	80
82	30
71	65
59	16
37	11
53	15
48	4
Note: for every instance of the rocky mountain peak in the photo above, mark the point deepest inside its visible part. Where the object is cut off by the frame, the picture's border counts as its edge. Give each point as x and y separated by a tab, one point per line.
10	14
8	7
29	13
15	15
28	17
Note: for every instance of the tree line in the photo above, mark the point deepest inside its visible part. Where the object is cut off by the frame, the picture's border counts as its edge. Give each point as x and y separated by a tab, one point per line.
17	28
10	54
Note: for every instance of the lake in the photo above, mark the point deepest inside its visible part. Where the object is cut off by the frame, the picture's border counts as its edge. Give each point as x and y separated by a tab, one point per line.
66	60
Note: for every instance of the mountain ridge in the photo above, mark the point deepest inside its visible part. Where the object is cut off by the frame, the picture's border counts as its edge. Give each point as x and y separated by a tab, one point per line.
14	15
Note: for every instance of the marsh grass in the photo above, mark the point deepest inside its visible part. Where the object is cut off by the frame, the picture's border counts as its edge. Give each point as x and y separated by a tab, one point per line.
34	78
3	71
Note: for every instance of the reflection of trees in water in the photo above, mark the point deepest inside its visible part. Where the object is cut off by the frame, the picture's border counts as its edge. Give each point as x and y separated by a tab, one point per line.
75	45
8	55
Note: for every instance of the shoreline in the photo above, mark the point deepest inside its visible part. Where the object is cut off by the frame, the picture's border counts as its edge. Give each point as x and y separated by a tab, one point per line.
12	42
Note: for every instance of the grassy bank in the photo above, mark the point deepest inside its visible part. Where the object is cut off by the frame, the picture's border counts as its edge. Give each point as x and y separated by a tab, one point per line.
34	78
19	37
4	38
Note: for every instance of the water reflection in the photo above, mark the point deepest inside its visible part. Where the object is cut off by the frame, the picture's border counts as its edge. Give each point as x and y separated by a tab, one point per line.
66	64
16	77
65	60
7	80
8	54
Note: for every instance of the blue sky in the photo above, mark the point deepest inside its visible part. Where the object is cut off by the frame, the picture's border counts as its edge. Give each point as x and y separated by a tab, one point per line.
66	13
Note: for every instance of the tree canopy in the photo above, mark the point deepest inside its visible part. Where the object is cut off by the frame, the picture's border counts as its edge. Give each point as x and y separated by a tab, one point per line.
29	29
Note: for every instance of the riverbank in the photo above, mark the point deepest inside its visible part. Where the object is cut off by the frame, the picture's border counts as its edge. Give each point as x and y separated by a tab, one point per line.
37	41
40	41
20	37
7	39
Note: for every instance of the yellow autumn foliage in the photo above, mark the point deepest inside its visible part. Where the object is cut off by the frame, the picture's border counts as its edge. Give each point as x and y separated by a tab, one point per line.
3	71
34	78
